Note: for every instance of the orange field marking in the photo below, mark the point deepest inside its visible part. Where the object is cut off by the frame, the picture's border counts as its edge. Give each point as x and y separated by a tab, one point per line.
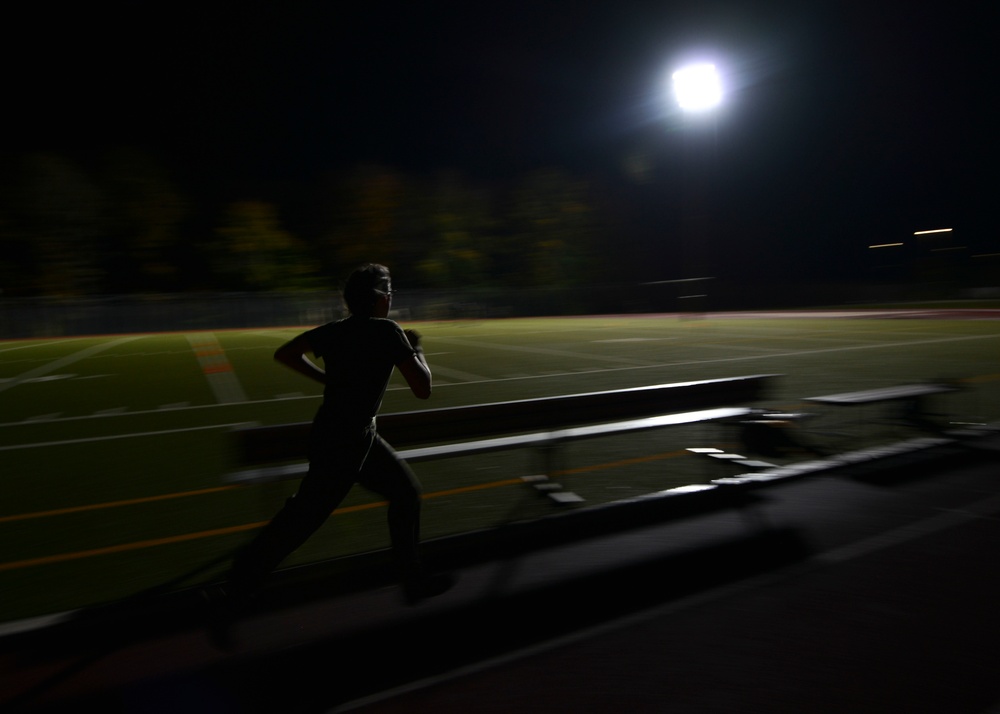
125	547
171	540
113	504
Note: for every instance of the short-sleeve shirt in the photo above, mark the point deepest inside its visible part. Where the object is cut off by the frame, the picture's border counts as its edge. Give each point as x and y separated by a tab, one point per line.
358	354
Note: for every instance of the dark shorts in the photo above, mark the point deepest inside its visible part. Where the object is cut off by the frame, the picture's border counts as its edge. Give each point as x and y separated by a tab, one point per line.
338	459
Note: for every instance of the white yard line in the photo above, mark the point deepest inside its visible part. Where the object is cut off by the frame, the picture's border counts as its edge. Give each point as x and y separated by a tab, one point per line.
40	343
216	367
111	437
577	372
65	361
746	358
546	351
439	371
849	348
109	414
636	339
733	347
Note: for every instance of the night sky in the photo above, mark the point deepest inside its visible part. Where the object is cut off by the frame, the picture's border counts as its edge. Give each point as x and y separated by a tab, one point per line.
844	123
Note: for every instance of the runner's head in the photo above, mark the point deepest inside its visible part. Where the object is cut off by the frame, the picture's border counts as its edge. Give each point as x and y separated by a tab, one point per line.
366	288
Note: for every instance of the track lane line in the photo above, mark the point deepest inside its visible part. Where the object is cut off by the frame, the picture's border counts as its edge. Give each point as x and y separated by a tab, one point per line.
230	530
113	504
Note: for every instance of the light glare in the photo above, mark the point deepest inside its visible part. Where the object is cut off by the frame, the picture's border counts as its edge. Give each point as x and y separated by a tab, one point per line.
936	230
697	87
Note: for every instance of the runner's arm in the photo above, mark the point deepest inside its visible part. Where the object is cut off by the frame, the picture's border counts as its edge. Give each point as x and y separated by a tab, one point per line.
414	368
292	354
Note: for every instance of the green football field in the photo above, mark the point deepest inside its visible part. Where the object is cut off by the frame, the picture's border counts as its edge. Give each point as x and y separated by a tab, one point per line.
114	449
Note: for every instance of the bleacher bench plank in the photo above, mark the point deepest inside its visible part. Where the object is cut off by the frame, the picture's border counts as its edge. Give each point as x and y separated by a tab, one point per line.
883	394
273	444
482	446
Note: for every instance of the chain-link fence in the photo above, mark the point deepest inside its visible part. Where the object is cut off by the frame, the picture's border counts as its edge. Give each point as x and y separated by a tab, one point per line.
58	317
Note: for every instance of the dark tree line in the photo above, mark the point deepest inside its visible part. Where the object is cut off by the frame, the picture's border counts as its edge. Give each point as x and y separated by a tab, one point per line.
124	224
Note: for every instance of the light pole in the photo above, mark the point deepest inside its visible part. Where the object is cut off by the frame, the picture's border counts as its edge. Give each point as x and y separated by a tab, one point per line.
697	88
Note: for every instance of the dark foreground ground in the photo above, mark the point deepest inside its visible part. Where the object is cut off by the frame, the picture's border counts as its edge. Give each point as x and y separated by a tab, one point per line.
873	588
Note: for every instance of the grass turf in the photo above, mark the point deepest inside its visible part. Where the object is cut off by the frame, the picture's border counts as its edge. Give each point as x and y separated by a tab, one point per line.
113	449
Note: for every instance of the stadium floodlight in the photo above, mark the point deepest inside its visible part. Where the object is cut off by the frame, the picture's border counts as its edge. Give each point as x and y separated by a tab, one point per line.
697	87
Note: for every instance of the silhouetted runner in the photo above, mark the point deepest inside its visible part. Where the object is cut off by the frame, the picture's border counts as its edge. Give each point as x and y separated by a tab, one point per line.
359	353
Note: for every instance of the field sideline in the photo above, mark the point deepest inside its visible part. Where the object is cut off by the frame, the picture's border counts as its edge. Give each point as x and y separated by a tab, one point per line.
114	447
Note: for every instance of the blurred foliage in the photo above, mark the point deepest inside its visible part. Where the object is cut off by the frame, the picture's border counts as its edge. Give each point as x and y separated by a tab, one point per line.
553	236
461	233
52	222
253	252
143	239
123	223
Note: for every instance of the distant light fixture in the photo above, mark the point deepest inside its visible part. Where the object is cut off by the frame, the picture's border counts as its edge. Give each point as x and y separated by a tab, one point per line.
936	230
697	87
885	245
